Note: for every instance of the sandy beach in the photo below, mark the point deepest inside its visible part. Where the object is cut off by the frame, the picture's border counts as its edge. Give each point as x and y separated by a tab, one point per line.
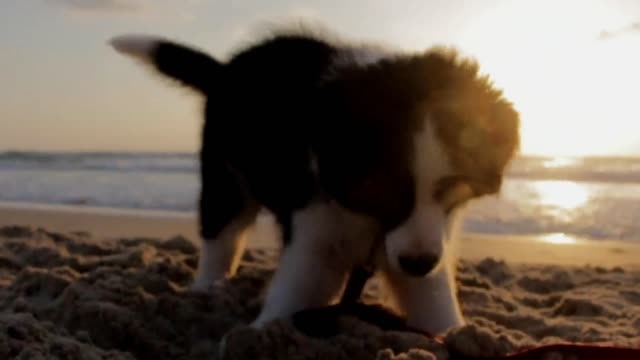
89	283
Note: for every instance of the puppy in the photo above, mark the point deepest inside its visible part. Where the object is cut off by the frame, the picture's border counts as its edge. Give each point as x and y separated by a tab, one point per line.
363	155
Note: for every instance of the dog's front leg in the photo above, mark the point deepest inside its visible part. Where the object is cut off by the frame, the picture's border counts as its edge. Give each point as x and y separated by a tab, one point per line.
220	255
312	269
226	217
430	303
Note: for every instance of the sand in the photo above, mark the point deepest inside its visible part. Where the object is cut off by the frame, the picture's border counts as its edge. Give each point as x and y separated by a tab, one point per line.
100	222
74	295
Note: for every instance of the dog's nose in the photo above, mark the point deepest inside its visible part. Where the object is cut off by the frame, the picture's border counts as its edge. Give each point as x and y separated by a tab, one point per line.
418	265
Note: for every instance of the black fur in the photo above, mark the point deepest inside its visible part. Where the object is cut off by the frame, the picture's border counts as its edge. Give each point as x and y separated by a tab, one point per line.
189	66
266	113
257	132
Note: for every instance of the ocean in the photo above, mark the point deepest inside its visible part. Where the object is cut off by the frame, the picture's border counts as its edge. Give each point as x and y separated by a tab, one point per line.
587	198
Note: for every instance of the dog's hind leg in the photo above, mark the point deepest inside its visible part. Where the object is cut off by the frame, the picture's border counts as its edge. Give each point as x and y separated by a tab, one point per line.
227	216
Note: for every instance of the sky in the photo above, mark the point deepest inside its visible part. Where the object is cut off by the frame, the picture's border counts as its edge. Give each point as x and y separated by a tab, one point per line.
570	67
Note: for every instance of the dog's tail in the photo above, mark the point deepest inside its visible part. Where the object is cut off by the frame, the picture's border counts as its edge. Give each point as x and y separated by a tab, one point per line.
189	66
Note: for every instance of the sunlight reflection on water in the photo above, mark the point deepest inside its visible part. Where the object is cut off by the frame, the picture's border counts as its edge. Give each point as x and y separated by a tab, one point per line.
562	197
559	238
559	162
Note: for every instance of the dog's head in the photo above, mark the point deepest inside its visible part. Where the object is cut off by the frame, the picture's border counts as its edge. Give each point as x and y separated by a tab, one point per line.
436	134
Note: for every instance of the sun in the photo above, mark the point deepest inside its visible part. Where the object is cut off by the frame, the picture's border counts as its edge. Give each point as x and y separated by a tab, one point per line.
576	92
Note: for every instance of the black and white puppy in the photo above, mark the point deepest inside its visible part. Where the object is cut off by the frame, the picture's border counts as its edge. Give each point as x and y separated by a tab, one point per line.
361	154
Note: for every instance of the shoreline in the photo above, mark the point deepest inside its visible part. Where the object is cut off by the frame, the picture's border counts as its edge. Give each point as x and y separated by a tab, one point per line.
112	223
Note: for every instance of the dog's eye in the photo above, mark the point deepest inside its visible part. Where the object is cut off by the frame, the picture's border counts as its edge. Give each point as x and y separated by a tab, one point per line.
452	191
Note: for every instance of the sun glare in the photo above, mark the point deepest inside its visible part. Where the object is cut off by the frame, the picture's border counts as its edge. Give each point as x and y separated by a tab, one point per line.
558	162
559	238
575	90
561	196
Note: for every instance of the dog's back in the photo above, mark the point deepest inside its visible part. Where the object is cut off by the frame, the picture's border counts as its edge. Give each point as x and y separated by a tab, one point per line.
258	112
261	117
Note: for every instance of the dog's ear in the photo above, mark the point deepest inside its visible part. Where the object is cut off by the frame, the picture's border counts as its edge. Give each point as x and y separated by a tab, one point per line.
187	65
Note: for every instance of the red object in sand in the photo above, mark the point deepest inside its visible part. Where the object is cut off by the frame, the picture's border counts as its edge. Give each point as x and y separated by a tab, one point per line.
578	351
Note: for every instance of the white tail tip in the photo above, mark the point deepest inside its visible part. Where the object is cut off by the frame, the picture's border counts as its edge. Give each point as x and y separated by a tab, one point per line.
139	46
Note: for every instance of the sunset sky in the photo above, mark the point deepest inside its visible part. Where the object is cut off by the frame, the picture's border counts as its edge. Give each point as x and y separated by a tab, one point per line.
570	67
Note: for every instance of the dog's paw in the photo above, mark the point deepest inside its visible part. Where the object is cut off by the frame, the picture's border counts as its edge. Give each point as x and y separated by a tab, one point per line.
242	341
200	287
436	323
258	324
222	347
205	284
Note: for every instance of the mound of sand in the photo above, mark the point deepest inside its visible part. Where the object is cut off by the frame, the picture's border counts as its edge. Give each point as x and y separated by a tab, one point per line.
69	296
